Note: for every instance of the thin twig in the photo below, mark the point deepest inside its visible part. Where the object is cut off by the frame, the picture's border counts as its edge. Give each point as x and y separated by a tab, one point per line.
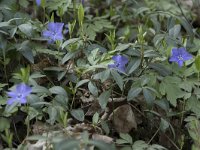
154	135
179	6
172	142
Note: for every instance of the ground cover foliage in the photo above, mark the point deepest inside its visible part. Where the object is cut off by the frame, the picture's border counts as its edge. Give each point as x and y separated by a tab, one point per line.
99	75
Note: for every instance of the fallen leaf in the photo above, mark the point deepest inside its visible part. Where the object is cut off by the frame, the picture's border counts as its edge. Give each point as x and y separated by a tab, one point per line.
103	138
123	119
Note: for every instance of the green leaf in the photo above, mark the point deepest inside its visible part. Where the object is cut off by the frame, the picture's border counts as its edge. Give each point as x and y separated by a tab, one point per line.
133	92
80	15
170	87
93	88
70	41
36	137
95	118
26	29
26	51
193	104
103	98
105	127
150	53
78	114
163	103
126	137
82	82
68	56
139	145
187	27
122	47
118	79
58	90
148	96
52	114
62	100
174	32
103	76
5	124
92	58
121	141
40	89
133	65
11	108
69	144
160	68
197	63
164	125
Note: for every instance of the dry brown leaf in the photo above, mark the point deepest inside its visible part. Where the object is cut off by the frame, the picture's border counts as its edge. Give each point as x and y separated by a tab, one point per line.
86	99
103	138
95	107
123	119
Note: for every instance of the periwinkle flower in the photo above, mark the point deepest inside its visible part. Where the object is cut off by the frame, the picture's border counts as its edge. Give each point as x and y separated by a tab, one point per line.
180	55
119	62
19	94
53	32
82	1
38	2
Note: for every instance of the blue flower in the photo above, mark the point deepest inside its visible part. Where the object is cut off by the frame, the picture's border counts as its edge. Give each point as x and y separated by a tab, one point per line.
82	1
180	55
19	94
38	2
119	63
54	31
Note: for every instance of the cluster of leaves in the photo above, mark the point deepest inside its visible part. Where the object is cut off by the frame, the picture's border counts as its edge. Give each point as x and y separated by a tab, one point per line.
128	69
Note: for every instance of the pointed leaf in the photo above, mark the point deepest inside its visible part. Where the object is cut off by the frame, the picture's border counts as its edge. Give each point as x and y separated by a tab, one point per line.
103	99
118	79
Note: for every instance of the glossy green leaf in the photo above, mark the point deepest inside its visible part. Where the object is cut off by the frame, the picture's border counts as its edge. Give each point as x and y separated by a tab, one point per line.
78	114
118	79
133	65
197	63
5	124
93	88
103	98
133	92
58	90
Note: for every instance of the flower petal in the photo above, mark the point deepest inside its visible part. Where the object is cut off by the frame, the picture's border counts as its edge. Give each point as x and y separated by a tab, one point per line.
174	51
38	2
23	89
11	101
120	59
51	26
180	63
20	88
173	59
47	34
27	91
55	27
23	100
121	68
58	36
59	27
12	94
112	66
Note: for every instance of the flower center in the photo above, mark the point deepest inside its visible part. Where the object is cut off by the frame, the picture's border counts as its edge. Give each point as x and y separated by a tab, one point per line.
19	96
118	64
180	57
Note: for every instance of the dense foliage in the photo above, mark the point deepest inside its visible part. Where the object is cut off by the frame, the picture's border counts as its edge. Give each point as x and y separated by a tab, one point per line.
93	74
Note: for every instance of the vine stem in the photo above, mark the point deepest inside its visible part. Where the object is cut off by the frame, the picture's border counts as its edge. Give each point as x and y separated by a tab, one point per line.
154	135
172	142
